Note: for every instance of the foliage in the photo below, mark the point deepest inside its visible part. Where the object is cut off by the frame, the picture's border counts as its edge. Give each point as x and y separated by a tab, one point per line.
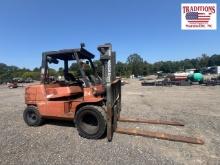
31	74
134	65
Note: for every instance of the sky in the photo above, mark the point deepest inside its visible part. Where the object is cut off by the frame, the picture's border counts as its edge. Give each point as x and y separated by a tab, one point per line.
151	28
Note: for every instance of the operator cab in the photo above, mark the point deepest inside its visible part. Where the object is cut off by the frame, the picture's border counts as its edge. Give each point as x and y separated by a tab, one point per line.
83	67
78	72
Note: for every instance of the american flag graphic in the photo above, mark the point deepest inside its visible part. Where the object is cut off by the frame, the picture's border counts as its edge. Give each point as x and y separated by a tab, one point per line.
196	17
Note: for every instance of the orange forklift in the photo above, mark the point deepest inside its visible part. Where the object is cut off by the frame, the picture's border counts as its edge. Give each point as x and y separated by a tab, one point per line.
91	102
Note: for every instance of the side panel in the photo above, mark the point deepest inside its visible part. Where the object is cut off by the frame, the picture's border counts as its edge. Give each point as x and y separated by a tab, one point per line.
57	109
57	92
53	108
42	106
63	109
34	93
41	96
30	94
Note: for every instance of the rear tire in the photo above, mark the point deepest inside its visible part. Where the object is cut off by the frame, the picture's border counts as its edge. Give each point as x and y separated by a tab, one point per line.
32	116
91	122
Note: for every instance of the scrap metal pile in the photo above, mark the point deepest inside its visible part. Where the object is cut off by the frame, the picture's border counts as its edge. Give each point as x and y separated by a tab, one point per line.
182	79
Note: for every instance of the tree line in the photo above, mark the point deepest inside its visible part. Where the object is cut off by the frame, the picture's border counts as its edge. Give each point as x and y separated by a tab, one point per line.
134	65
137	66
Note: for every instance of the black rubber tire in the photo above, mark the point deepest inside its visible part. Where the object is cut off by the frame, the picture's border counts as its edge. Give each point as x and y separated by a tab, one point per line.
32	116
90	122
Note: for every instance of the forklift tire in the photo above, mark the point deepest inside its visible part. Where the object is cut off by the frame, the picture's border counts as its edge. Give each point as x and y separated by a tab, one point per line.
32	116
90	122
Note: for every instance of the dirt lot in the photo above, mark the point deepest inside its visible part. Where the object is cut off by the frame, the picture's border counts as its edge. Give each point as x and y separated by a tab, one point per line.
59	143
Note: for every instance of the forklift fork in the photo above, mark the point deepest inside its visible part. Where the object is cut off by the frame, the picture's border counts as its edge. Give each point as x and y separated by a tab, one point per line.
158	135
138	120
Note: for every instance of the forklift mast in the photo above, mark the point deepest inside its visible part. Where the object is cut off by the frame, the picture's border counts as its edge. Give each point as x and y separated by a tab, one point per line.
112	86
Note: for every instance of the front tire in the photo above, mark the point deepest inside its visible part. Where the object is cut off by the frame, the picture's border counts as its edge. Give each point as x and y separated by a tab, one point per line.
32	116
91	122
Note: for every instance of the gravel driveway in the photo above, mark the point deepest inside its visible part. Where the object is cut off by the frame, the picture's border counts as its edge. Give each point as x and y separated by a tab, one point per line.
57	142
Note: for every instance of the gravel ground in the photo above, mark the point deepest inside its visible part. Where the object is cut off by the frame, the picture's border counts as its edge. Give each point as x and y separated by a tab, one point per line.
57	142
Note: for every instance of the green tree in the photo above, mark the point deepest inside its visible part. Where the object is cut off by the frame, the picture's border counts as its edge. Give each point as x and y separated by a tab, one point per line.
31	74
214	60
52	72
146	68
135	64
203	61
122	69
